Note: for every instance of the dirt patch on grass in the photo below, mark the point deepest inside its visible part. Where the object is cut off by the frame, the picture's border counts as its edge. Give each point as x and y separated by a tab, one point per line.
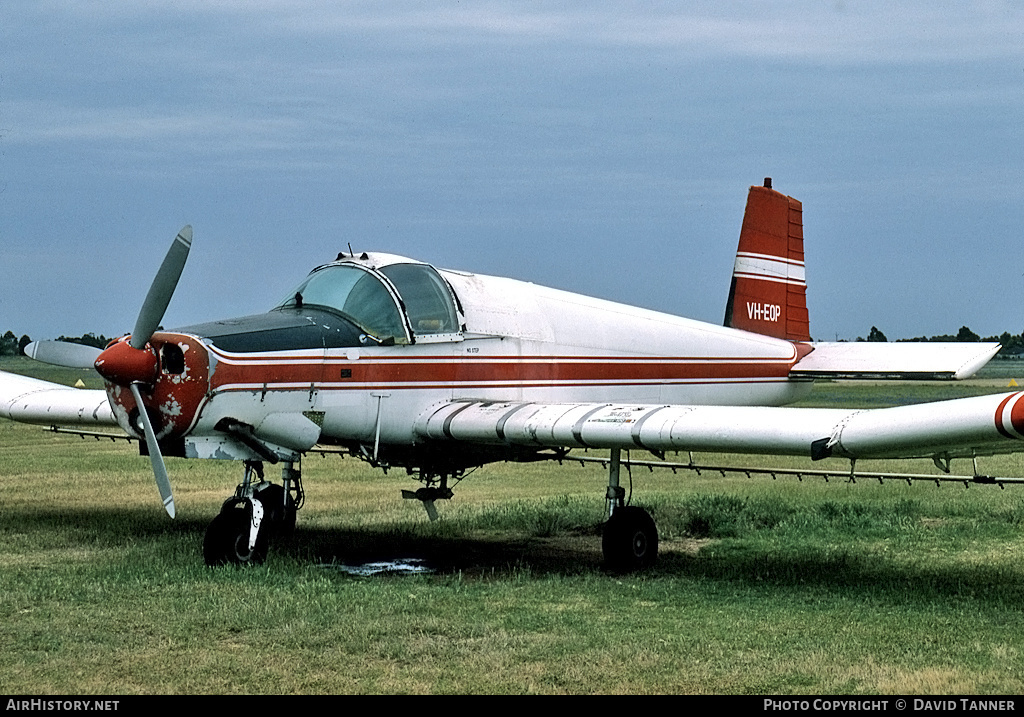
684	546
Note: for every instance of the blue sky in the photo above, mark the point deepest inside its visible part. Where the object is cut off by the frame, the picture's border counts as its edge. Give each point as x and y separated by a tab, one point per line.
604	148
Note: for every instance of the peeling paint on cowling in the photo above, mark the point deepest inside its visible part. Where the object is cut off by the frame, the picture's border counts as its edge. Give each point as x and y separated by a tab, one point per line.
174	400
171	408
227	448
122	403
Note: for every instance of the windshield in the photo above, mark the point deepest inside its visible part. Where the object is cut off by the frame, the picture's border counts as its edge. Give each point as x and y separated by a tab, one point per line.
354	293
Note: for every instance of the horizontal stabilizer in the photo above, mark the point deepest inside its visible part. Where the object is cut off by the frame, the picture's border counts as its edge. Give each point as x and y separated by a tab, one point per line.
902	360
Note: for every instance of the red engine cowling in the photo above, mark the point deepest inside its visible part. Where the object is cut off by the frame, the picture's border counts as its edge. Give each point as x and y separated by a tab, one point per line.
173	373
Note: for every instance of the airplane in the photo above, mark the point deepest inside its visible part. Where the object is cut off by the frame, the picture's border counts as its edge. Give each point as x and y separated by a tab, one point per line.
439	371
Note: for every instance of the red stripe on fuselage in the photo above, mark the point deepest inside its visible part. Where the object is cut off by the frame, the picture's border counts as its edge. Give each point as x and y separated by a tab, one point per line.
434	371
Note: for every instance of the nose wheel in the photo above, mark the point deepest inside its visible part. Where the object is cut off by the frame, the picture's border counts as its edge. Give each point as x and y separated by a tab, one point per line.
229	538
240	534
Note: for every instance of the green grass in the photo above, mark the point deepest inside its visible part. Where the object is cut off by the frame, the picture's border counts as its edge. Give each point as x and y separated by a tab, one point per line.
763	587
58	374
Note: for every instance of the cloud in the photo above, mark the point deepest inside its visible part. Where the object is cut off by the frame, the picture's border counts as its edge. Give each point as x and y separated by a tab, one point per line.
551	129
810	30
804	30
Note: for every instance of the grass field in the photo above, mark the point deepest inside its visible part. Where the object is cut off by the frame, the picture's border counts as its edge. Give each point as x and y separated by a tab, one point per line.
763	587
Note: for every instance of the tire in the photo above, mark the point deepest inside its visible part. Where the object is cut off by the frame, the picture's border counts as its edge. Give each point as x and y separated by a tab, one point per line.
227	539
277	516
630	540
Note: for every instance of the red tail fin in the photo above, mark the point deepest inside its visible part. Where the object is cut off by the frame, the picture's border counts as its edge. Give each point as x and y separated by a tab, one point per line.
769	293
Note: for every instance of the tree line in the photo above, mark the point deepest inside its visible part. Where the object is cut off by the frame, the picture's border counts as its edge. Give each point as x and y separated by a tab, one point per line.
11	345
1013	344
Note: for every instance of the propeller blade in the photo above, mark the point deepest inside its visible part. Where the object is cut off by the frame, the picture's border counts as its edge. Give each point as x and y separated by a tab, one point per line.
163	482
162	288
62	353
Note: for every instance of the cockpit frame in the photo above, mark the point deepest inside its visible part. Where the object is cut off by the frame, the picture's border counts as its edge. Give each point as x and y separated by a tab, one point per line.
391	299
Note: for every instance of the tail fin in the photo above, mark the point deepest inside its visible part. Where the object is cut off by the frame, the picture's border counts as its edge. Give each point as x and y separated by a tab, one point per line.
769	293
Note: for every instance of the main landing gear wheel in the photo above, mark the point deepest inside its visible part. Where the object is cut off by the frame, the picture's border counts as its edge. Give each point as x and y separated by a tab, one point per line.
227	538
630	540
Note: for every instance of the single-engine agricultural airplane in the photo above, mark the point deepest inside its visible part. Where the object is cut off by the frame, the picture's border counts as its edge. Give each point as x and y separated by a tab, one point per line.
439	371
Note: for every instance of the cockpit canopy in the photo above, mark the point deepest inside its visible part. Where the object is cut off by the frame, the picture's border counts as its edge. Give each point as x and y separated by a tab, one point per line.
377	299
399	302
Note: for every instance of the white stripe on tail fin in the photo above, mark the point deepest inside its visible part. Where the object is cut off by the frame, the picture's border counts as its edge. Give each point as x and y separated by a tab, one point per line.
768	294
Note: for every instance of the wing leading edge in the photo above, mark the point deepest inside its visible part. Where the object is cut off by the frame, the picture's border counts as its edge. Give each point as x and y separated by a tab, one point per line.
960	427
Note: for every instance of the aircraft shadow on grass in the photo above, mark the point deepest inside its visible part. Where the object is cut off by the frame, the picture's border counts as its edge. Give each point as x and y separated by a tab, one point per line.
566	553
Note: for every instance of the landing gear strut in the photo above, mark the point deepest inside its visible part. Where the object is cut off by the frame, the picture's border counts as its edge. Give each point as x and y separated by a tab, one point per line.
436	489
630	539
240	534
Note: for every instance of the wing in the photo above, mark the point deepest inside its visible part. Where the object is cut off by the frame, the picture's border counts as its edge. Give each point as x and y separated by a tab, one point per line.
960	427
31	400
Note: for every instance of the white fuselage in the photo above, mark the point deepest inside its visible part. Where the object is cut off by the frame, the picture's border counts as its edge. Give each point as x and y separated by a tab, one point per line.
520	342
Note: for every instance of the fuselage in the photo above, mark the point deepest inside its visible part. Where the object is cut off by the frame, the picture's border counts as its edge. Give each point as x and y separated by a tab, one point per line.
367	344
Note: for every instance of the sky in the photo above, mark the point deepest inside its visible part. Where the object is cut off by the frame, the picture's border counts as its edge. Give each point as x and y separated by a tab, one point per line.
604	148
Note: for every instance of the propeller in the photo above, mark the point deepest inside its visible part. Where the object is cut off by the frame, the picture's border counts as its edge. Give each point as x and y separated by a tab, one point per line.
62	353
156	459
130	363
124	365
161	290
